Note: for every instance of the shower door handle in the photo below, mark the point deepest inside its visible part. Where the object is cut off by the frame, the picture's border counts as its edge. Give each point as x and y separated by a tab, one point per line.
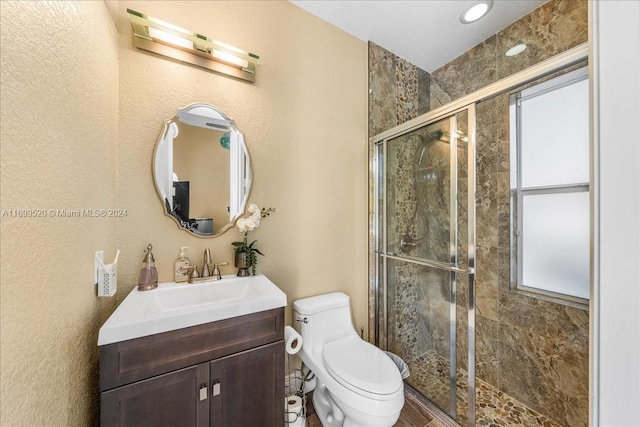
429	263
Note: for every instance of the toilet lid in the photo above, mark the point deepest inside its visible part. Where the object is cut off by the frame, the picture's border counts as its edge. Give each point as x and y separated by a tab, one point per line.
358	365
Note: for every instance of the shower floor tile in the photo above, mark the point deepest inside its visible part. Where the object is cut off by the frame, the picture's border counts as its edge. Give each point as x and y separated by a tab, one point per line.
430	376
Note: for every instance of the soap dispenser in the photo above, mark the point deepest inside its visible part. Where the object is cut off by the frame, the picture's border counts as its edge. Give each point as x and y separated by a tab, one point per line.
148	278
182	266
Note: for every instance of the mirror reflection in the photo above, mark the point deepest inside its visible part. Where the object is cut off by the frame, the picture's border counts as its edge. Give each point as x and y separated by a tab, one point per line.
201	170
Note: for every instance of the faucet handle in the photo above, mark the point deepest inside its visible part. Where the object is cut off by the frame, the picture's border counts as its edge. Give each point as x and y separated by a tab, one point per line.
216	270
195	273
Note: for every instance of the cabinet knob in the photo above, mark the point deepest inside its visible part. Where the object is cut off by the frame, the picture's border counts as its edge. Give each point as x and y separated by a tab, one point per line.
203	393
216	389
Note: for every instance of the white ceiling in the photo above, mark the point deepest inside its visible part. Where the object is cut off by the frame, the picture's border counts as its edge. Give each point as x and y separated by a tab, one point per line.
427	33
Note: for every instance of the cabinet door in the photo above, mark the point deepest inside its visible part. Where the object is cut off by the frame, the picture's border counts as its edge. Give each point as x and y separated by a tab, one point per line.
173	399
251	388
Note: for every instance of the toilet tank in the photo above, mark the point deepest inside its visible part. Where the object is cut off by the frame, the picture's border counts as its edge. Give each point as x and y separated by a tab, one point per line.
323	318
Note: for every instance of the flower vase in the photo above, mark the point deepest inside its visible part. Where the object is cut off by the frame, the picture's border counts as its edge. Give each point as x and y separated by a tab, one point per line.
241	263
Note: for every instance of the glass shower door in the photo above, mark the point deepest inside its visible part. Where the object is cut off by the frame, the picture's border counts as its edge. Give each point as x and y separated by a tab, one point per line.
424	256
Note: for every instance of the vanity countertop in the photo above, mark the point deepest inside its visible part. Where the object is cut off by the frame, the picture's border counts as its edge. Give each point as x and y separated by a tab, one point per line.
174	306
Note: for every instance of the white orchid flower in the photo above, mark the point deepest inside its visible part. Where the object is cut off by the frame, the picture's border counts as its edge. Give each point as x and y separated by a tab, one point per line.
242	225
251	223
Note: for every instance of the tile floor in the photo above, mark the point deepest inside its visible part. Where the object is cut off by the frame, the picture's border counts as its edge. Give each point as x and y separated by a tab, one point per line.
414	414
430	375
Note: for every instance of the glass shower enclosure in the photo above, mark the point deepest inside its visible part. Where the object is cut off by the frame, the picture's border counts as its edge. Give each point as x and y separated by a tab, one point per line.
483	351
425	246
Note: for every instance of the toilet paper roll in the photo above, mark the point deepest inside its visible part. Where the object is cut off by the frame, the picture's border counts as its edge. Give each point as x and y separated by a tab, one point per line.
293	340
293	411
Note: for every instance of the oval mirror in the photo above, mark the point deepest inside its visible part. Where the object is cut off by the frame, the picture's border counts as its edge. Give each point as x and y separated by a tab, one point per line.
201	170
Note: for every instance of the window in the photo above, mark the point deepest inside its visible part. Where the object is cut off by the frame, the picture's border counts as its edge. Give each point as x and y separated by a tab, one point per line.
550	188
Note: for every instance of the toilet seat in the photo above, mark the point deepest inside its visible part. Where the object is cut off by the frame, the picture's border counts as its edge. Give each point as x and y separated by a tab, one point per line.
362	368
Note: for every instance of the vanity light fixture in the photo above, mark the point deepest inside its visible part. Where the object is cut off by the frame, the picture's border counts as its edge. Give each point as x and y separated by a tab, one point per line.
169	40
476	11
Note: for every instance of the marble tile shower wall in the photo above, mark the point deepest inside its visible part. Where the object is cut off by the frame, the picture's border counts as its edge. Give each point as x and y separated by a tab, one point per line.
398	91
533	350
402	202
418	211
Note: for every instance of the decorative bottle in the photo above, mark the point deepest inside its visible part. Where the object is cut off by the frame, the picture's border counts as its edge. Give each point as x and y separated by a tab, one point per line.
148	278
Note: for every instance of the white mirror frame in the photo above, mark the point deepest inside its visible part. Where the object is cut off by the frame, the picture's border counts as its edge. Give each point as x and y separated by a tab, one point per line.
209	117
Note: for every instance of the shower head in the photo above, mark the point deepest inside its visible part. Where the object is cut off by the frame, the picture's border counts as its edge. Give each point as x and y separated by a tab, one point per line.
427	139
433	136
441	136
445	137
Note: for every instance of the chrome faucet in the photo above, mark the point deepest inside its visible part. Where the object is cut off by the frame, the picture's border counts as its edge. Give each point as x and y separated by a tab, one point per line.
206	262
208	274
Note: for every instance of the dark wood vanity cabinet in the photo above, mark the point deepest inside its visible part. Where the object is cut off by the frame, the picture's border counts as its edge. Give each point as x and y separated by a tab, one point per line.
228	373
163	400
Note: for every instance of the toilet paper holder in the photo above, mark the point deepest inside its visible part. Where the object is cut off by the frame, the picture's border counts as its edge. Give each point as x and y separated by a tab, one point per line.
295	408
295	413
295	401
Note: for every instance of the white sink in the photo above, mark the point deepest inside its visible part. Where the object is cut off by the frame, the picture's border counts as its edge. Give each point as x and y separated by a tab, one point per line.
174	306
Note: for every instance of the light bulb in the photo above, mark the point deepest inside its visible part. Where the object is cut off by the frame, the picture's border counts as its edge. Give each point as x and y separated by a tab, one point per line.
476	12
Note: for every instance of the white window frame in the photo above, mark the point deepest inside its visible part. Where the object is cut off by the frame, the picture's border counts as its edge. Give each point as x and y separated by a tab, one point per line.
519	192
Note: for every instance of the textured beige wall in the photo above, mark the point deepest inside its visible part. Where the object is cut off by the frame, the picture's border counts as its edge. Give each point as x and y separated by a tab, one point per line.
305	125
81	112
59	151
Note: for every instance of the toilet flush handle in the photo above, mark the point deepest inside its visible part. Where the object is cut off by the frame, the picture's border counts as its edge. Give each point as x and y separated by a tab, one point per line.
304	320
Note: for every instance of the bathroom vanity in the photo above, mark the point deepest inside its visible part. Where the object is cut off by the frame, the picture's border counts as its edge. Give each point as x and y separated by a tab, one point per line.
226	369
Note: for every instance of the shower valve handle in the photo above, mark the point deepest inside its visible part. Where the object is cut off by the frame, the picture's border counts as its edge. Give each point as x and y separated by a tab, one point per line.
407	243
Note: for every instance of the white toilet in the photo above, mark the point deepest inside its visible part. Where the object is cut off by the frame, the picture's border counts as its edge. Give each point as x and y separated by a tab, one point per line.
357	383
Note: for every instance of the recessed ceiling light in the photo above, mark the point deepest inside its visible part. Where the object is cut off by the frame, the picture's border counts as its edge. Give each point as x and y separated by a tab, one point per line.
516	50
476	11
